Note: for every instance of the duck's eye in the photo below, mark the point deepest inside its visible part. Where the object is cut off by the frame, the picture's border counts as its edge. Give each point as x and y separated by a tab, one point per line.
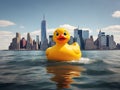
57	34
65	33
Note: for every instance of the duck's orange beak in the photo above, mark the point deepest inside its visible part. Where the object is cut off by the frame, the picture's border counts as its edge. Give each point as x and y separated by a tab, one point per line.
61	37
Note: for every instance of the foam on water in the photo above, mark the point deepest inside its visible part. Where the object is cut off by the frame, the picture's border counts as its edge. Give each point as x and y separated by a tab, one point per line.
83	60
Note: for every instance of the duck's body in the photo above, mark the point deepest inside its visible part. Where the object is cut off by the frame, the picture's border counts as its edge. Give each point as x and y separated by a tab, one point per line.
62	51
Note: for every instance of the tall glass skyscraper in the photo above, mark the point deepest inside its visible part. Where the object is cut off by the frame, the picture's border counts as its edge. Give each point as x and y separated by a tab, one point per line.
44	41
85	34
43	30
78	37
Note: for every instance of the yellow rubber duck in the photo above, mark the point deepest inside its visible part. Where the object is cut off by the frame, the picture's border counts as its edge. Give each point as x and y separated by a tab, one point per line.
62	51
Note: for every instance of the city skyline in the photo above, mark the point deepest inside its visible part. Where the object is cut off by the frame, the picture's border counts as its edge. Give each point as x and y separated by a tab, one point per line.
103	41
26	15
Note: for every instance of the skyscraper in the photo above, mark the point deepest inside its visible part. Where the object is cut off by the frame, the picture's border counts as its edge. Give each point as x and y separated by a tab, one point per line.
51	42
15	44
102	40
85	34
89	44
18	37
38	41
44	41
43	30
23	43
78	37
29	42
110	42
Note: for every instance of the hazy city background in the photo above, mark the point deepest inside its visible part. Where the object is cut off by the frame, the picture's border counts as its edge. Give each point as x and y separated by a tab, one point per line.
103	42
96	18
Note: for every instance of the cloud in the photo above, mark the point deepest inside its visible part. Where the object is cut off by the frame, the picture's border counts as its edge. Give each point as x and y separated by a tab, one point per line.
22	27
5	23
5	39
67	26
116	14
112	28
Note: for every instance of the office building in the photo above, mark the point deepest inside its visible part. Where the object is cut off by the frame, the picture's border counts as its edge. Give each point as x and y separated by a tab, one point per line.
15	44
29	42
110	43
35	45
44	41
85	34
71	40
51	42
23	43
89	44
102	40
38	41
78	37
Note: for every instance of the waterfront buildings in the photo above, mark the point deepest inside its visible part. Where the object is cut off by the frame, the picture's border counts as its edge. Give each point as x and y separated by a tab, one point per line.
80	36
89	44
105	41
22	44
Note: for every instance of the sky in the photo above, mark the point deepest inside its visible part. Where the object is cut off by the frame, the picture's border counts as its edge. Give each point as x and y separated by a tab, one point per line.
25	16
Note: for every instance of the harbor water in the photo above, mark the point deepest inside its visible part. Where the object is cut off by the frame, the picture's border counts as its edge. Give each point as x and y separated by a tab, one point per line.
30	70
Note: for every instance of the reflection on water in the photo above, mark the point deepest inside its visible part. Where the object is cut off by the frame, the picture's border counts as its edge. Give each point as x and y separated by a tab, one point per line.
64	74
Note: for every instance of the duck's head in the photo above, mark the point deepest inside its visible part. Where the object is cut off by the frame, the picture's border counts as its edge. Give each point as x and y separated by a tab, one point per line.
61	36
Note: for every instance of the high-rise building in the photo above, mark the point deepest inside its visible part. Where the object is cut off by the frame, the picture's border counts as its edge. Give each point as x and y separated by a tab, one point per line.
105	41
85	34
102	40
38	41
35	45
23	43
43	30
110	43
15	44
29	42
51	42
78	37
44	41
89	44
71	40
18	37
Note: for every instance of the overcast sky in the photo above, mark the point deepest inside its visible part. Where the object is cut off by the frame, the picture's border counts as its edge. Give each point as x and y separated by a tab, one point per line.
26	15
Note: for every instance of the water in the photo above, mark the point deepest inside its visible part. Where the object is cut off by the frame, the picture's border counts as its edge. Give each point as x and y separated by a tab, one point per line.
29	70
